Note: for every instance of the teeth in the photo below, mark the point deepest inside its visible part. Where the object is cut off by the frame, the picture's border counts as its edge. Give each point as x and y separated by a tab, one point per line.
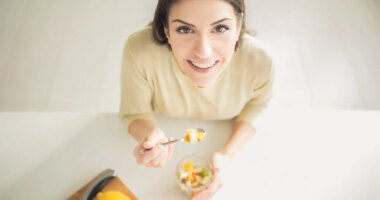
203	66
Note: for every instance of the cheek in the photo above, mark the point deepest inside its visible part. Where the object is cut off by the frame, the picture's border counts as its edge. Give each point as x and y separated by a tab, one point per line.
225	45
180	48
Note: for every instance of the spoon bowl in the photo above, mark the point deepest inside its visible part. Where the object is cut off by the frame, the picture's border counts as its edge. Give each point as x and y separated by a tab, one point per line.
192	136
198	133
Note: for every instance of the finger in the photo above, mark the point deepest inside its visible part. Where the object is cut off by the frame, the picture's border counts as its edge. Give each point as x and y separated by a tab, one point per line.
213	187
143	159
216	183
207	193
136	150
158	161
168	152
137	153
148	145
139	158
161	160
160	156
153	140
152	154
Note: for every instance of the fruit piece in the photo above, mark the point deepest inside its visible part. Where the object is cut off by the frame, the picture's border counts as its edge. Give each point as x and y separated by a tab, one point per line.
198	169
193	136
201	135
193	176
204	173
111	195
188	166
187	137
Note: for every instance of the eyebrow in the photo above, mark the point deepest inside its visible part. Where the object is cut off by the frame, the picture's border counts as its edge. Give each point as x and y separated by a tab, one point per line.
192	25
222	20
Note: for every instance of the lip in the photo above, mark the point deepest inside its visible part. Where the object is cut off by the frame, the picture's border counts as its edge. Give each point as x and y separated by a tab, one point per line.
202	70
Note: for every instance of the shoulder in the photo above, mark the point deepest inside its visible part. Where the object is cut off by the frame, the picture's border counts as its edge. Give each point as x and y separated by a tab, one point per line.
140	38
255	59
141	44
255	54
255	49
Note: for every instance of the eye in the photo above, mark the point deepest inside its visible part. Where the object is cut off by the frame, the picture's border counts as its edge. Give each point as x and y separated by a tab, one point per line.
184	30
221	28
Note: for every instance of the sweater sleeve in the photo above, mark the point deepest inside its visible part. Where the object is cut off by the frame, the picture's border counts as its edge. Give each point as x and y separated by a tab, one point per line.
136	90
262	93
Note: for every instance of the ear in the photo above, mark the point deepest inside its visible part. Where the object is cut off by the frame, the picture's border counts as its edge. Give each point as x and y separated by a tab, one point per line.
167	33
238	31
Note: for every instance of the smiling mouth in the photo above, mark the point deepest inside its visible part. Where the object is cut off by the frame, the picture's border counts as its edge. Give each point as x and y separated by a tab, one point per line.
202	65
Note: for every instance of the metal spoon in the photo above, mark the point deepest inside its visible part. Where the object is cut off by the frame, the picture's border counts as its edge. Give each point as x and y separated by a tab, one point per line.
189	138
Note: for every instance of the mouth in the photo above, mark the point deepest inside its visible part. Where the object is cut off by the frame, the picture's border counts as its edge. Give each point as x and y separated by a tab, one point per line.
202	67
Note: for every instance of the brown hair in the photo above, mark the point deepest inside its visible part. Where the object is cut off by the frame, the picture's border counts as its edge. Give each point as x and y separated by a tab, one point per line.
160	20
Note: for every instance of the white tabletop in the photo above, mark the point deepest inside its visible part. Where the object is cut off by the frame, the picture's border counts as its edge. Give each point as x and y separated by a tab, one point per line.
296	154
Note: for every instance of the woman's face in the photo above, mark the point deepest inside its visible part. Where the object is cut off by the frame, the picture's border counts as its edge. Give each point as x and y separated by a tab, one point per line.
202	35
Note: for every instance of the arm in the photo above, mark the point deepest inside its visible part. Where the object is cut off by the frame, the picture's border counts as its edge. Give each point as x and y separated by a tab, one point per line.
136	112
241	134
140	129
149	136
243	130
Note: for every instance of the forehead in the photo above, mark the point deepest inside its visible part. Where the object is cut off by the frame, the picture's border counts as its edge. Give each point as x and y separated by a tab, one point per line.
201	10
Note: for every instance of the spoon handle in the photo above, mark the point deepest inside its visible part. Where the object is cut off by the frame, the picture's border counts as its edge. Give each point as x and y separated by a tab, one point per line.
166	143
163	144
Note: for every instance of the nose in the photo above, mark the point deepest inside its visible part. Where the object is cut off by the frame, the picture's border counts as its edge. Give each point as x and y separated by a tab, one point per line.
203	47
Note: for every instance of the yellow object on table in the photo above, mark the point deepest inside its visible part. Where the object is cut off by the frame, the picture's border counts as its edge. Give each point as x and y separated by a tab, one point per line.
112	189
111	195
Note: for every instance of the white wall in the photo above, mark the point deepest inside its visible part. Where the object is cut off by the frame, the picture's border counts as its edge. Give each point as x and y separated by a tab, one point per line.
327	50
65	55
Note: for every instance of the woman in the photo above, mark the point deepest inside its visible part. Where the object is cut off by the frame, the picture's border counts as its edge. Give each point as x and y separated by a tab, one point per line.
195	61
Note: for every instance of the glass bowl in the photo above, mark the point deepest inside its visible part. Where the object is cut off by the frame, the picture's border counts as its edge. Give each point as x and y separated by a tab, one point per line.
193	174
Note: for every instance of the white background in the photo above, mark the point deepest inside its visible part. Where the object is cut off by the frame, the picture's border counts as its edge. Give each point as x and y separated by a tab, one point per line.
65	55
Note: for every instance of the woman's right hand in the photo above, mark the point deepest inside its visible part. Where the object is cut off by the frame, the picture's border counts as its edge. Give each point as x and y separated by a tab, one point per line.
155	155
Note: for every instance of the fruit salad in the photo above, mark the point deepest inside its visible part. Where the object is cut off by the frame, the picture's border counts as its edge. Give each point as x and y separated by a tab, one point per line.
194	135
193	175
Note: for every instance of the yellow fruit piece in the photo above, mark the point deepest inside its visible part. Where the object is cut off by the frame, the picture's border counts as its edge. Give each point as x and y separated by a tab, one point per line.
201	135
111	195
188	166
190	178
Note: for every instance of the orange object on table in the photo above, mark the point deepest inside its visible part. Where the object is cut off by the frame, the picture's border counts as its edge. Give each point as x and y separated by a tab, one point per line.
104	182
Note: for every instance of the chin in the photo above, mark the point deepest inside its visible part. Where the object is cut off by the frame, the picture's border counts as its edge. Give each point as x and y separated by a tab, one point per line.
203	83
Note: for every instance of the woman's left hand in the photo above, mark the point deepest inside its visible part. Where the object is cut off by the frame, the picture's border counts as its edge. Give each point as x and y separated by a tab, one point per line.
216	182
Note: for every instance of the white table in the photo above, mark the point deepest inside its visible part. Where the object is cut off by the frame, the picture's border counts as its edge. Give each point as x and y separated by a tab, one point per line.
297	154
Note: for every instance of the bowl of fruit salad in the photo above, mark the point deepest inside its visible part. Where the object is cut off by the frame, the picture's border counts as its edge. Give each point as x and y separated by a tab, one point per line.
193	174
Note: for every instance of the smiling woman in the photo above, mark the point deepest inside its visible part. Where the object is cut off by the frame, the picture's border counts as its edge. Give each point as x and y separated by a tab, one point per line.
194	61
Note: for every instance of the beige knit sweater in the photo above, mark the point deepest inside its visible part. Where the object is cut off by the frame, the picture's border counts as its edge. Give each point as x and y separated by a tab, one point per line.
152	83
